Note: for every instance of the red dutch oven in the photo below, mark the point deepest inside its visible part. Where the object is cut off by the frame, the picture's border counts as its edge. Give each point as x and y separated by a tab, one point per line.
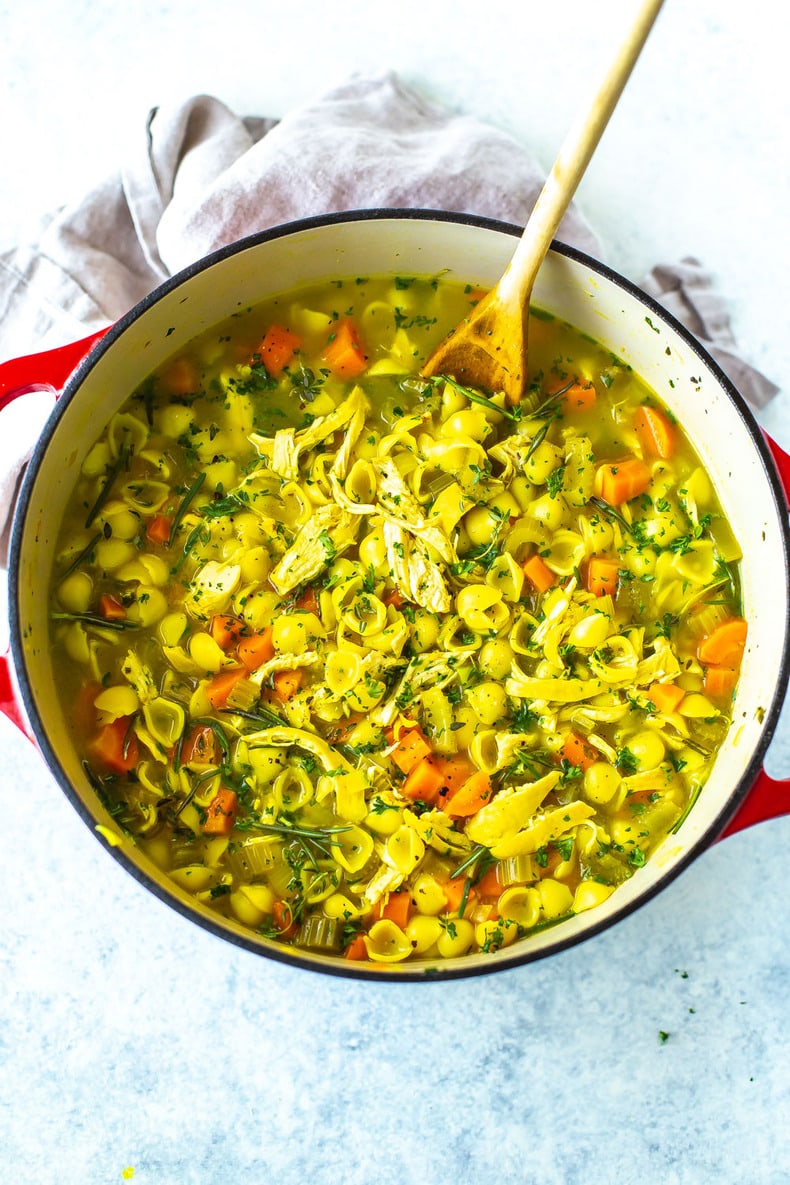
91	378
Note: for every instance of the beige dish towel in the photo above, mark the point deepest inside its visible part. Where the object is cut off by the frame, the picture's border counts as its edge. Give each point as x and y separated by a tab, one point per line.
202	177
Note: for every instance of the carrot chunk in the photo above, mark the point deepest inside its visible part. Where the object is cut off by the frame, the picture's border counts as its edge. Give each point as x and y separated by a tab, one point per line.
277	349
454	890
577	752
221	813
620	481
344	354
158	529
220	687
396	908
580	397
654	431
200	746
256	649
308	601
410	748
455	771
287	683
111	608
489	884
666	696
724	645
424	781
115	746
538	573
720	682
602	576
225	630
475	792
181	377
283	919
356	949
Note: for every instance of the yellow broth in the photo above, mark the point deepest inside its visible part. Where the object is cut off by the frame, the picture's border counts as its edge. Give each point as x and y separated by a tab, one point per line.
383	667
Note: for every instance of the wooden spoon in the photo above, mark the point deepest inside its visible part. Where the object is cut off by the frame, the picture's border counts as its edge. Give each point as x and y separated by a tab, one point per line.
488	350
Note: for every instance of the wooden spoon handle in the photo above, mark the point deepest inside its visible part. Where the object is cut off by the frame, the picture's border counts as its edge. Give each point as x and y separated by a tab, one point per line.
572	160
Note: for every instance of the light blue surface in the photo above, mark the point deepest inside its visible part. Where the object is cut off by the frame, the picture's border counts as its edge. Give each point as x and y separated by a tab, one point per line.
132	1038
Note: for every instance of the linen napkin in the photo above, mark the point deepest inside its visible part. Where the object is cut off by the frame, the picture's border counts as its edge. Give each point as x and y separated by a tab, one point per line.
200	177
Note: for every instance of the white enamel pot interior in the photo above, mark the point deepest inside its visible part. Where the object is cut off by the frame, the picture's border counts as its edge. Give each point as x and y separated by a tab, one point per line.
570	285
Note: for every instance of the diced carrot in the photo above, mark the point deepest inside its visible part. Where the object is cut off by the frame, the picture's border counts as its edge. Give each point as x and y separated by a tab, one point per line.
344	355
220	687
581	397
394	598
339	733
472	795
475	295
287	683
226	630
424	781
158	529
724	645
396	908
256	649
666	696
115	746
455	771
83	707
221	813
278	348
720	682
356	949
602	576
654	431
454	890
283	919
410	748
489	884
181	377
620	481
308	601
577	752
538	573
111	608
200	746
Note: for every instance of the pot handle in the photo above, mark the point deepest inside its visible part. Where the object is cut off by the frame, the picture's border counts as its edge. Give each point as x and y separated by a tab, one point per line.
9	701
47	371
769	798
782	461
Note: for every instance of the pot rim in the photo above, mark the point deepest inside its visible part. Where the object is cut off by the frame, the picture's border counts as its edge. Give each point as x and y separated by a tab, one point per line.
451	969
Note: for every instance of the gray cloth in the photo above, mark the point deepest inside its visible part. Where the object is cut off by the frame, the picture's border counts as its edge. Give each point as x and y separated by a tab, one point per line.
202	177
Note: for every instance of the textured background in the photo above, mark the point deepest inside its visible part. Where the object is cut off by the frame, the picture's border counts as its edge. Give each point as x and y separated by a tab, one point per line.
131	1039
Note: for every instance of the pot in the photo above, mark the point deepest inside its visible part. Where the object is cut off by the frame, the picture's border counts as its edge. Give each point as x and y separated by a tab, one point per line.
750	472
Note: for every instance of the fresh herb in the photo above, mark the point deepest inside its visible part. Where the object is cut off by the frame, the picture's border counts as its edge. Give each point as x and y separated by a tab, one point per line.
326	542
95	620
75	563
121	462
184	505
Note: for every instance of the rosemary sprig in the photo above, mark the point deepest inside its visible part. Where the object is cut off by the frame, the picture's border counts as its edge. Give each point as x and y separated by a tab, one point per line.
610	512
189	543
121	460
93	619
261	716
548	402
221	737
476	862
184	505
75	563
475	396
